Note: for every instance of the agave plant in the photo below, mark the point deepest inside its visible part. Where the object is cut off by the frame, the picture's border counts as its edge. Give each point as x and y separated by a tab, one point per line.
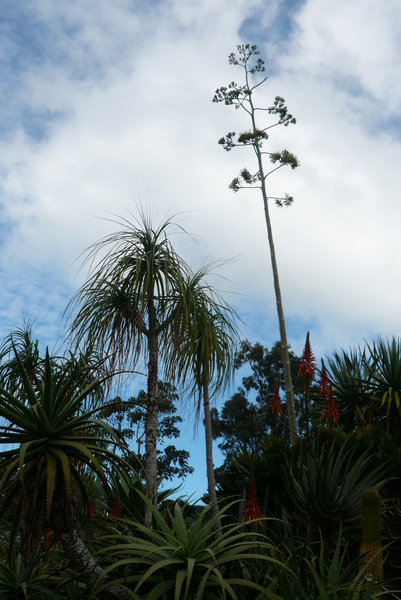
325	488
186	561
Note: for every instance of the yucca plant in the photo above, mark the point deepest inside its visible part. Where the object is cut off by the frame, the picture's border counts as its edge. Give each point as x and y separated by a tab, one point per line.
383	363
186	561
51	441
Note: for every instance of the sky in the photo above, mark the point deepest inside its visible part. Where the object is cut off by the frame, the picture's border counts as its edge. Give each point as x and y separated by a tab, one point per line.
105	105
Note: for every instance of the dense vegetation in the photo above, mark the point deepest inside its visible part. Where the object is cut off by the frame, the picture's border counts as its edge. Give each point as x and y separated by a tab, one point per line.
307	502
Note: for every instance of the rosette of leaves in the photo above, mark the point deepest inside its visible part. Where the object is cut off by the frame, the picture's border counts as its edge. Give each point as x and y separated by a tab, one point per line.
325	486
51	443
14	579
187	561
317	572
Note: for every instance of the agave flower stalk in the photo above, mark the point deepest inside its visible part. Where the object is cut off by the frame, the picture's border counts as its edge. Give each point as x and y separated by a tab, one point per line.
242	96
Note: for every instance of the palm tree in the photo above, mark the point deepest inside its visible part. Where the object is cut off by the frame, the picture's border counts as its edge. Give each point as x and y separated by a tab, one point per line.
350	379
242	97
52	443
367	385
132	306
383	366
206	356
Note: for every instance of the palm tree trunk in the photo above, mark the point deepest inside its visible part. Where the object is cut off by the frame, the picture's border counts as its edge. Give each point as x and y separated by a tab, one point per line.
152	412
211	480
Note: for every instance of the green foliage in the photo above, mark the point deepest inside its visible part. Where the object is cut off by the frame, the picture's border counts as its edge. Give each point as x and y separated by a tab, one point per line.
325	485
246	418
129	418
350	382
48	439
317	572
186	561
132	293
14	578
367	385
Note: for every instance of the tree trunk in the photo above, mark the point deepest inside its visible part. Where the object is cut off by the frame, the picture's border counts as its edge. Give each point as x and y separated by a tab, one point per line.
82	561
211	481
152	412
63	522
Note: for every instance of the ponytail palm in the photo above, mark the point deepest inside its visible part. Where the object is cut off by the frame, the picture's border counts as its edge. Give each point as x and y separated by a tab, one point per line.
132	305
207	354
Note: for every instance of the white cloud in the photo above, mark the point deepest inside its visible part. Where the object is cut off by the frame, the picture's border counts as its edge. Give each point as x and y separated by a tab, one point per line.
132	96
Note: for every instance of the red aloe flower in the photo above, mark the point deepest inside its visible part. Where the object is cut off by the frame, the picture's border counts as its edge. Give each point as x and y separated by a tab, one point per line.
252	508
324	383
115	512
330	409
307	367
49	538
92	507
33	541
275	403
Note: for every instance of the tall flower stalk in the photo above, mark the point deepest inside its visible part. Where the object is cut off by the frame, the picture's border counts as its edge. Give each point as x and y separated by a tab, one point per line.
241	96
325	391
307	370
252	510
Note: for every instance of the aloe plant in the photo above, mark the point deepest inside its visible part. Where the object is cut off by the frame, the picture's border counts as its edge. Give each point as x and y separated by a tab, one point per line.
14	578
186	561
51	441
318	573
325	487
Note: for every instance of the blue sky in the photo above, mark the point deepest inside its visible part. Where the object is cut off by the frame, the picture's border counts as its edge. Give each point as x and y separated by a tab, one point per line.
105	103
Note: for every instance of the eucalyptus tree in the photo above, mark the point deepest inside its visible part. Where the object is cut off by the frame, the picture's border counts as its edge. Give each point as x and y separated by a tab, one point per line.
132	305
206	356
242	97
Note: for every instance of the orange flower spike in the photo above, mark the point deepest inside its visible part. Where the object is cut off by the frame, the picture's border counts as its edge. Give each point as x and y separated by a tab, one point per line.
330	410
275	403
115	512
33	541
324	383
252	508
307	367
92	507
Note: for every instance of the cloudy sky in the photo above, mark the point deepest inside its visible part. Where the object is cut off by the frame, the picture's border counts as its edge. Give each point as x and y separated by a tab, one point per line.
105	104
